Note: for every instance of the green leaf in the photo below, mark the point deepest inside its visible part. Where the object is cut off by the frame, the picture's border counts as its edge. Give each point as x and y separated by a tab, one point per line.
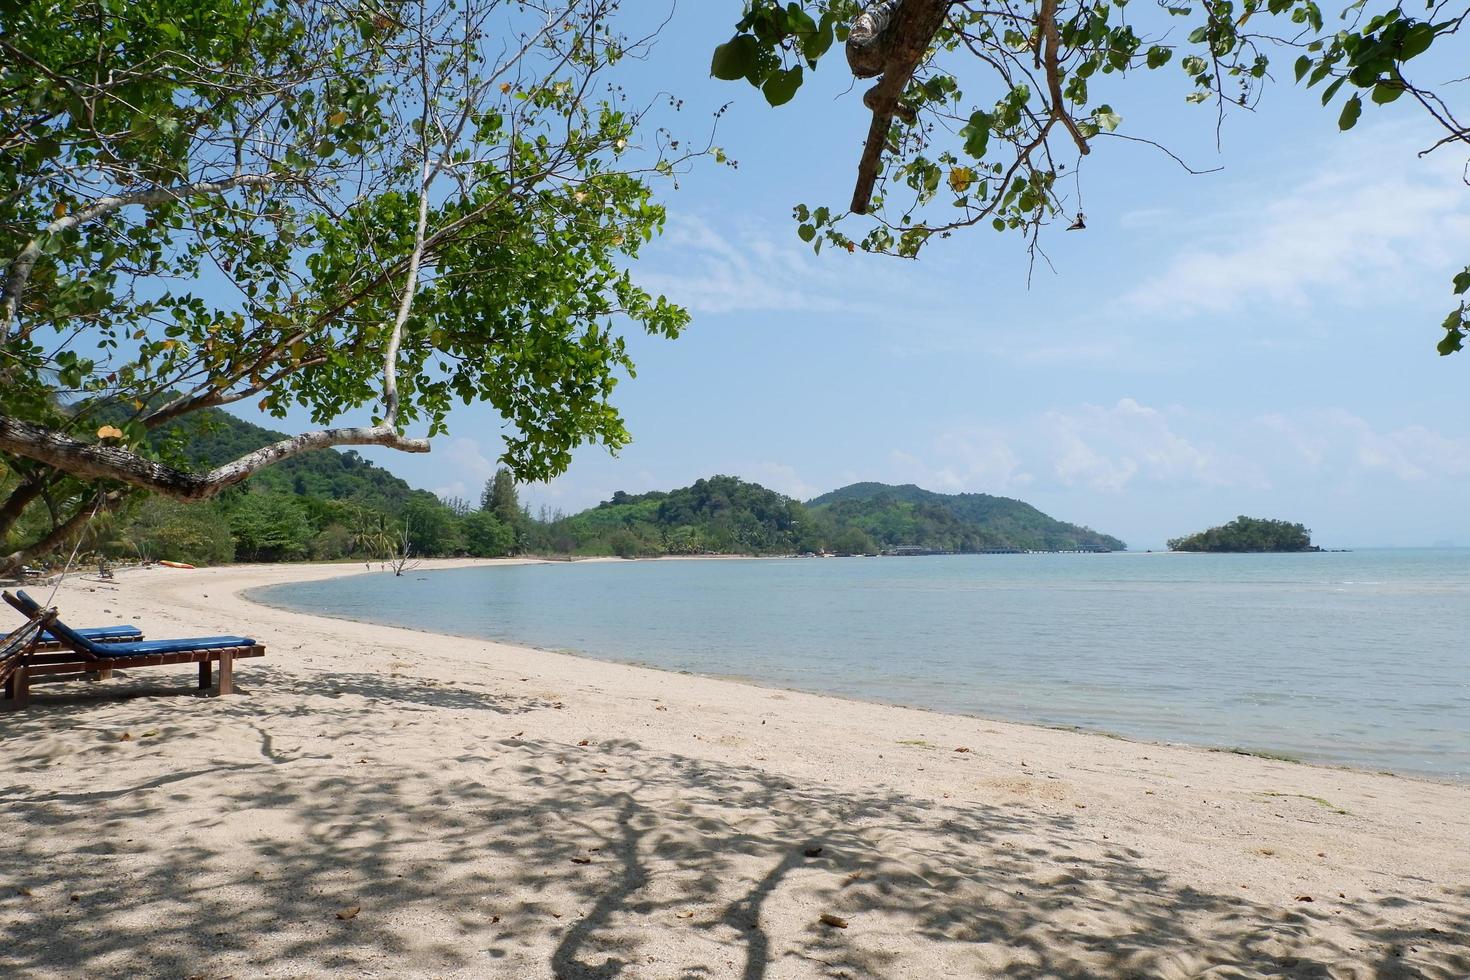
806	232
1350	113
1386	92
976	133
1303	64
734	59
1107	119
1416	41
1159	56
782	85
1462	281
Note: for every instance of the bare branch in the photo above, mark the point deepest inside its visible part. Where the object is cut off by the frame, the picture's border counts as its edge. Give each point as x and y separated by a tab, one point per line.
101	462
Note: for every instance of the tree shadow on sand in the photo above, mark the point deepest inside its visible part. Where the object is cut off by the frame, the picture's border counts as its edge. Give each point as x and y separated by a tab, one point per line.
517	857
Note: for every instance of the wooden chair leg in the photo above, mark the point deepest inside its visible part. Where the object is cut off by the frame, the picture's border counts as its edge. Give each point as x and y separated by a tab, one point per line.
22	690
206	679
226	672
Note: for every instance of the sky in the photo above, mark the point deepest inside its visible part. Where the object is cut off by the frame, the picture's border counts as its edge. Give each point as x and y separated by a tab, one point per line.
1257	340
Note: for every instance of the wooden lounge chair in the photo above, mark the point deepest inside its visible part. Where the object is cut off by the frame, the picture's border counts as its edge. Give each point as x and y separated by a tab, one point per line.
83	654
118	633
13	652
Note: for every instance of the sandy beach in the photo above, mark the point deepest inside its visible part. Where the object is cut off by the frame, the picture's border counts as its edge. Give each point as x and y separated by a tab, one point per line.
387	802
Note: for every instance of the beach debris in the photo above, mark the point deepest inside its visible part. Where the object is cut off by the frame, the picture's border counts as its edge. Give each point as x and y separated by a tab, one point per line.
494	919
558	706
149	733
963	748
684	915
75	897
518	734
581	859
1304	898
349	913
812	852
125	737
585	742
26	892
661	708
835	921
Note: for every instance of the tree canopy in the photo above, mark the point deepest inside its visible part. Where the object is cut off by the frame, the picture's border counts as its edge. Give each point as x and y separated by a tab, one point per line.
983	113
333	208
1248	534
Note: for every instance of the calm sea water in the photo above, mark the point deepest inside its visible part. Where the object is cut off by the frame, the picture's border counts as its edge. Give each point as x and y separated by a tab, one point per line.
1361	659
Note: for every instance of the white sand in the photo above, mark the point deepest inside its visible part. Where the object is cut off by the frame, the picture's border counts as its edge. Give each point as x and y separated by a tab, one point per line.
503	812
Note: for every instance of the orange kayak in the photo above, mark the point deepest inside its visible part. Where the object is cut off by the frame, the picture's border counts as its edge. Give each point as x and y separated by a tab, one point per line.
176	564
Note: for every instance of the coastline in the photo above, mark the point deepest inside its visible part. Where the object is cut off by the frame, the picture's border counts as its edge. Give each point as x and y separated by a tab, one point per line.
553	814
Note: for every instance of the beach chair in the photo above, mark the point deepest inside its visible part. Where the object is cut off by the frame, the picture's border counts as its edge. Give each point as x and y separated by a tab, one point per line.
14	649
81	653
121	632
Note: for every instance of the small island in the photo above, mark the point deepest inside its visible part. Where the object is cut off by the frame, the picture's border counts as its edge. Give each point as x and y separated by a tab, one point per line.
1248	534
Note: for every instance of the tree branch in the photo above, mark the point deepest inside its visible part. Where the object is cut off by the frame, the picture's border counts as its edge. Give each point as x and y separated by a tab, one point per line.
904	41
100	462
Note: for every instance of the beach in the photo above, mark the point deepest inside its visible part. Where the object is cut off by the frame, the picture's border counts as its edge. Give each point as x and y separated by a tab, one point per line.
387	802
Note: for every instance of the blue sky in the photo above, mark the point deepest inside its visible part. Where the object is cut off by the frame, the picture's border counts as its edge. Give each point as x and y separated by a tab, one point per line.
1258	340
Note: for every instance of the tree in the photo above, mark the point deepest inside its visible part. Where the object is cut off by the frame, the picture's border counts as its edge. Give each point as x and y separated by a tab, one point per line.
431	527
500	497
325	206
269	527
485	536
936	162
198	534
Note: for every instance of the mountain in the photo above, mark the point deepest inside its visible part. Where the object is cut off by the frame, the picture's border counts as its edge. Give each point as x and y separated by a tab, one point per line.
720	514
907	515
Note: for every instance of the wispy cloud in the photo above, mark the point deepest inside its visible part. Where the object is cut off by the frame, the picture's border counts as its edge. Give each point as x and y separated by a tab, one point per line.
1103	449
1371	214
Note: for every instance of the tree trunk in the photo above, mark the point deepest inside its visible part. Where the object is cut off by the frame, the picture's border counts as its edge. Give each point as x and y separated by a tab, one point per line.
891	37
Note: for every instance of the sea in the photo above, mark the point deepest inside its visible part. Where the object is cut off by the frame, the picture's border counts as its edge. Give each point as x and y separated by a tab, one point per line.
1355	658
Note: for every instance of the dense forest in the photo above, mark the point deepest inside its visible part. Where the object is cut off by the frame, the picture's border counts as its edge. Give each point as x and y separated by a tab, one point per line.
966	522
333	505
1248	534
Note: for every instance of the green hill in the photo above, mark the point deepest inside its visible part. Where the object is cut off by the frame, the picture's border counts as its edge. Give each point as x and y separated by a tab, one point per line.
721	514
907	515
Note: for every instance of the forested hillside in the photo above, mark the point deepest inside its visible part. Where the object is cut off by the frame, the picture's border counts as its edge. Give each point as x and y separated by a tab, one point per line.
329	505
894	516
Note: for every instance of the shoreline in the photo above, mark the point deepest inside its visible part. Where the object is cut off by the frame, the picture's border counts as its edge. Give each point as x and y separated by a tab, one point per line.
452	564
380	801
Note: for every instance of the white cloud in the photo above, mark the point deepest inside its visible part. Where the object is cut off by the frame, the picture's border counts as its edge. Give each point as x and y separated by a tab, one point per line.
759	268
470	466
1343	445
1372	214
1101	449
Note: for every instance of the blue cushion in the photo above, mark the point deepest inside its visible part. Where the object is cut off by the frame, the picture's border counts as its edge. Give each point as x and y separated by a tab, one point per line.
79	641
168	646
119	632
